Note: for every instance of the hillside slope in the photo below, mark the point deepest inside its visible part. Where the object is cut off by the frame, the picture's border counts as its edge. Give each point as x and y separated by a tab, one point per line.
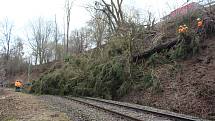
188	89
35	72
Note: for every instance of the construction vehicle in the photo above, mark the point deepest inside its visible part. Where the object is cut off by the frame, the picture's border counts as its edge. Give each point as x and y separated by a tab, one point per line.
28	86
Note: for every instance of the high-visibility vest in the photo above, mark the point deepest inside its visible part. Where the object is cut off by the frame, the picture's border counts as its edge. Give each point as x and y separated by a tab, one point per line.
18	84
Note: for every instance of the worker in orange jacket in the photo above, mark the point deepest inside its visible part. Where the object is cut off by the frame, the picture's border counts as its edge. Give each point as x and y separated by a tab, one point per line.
199	25
18	85
183	29
180	29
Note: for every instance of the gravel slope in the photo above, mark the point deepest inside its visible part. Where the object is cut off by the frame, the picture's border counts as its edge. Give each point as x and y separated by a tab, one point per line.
130	112
77	111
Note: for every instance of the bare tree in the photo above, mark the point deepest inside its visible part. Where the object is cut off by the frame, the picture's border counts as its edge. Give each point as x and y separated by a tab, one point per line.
76	42
6	31
56	37
80	41
68	7
98	27
41	34
17	50
16	62
150	21
49	52
114	13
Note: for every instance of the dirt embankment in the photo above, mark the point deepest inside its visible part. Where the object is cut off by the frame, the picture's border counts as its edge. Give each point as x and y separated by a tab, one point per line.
190	89
15	106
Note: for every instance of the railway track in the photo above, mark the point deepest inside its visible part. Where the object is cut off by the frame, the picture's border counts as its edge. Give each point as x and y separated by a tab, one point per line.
133	112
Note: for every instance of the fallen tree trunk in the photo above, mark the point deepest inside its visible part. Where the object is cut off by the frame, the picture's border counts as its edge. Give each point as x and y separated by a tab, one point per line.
155	49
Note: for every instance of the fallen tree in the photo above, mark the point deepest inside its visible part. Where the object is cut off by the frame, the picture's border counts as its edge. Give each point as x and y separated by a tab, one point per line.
155	49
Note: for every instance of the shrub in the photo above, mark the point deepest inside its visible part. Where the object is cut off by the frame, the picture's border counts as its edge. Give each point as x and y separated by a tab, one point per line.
157	58
88	76
108	73
185	48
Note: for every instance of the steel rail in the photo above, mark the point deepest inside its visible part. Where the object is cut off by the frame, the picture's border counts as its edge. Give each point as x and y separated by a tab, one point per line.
104	109
150	110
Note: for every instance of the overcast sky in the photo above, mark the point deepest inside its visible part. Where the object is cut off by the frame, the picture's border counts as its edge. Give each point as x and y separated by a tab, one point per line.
21	12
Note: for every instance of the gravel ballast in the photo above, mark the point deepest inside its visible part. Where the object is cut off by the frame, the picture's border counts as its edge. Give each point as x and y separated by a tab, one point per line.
130	112
79	112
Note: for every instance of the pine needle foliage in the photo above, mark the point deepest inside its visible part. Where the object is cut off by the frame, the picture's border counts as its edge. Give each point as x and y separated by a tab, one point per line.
108	72
104	73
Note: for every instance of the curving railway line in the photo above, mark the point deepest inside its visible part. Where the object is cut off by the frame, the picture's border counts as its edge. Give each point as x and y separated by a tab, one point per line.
132	112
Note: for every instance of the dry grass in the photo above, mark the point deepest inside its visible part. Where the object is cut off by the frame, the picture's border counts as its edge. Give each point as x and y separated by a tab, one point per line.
16	106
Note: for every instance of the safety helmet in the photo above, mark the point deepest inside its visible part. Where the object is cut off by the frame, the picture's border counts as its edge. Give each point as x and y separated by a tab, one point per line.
198	19
180	26
184	25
